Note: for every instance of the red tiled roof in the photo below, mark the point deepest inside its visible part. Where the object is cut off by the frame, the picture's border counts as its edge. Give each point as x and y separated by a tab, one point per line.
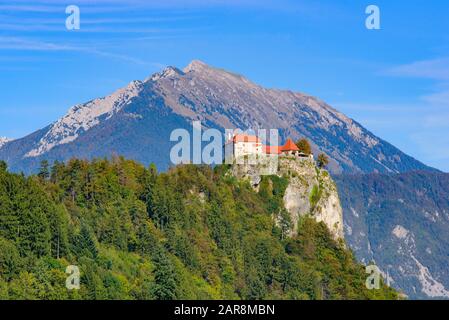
245	138
271	149
289	146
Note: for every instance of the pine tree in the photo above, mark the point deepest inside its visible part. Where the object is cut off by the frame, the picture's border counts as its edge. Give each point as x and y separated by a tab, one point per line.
3	166
9	259
44	171
190	233
165	279
56	171
84	243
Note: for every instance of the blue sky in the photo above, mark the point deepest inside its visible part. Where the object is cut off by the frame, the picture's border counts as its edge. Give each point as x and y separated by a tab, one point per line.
394	81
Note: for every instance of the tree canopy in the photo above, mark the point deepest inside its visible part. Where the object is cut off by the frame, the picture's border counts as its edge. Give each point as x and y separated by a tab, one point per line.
194	232
304	146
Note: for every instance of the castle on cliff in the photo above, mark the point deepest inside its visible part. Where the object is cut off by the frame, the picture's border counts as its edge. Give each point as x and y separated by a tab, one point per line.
244	145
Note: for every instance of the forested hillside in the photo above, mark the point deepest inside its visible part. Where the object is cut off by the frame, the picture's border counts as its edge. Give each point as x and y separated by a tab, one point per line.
191	233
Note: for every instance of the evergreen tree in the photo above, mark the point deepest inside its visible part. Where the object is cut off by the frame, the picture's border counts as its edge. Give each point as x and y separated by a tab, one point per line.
44	171
189	233
3	166
10	262
56	171
84	243
165	279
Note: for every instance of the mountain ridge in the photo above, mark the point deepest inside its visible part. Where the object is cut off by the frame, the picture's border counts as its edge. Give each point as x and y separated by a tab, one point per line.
3	141
218	98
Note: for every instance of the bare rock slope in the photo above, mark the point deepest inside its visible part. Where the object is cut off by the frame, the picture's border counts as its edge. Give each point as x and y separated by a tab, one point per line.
310	191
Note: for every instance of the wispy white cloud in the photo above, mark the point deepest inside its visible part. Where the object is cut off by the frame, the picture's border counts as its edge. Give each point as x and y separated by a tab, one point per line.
33	27
15	22
132	5
438	103
118	56
59	7
437	120
106	29
30	8
441	98
16	43
436	69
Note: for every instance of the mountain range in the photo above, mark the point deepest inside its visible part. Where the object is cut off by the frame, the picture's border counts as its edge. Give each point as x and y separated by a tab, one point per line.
136	121
395	207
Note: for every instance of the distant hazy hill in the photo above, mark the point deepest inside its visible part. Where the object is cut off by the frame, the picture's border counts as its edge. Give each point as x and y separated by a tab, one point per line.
136	121
402	223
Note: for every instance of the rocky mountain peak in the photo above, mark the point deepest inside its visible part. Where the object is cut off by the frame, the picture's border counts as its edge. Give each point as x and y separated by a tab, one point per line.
3	141
168	72
220	98
197	66
82	117
201	69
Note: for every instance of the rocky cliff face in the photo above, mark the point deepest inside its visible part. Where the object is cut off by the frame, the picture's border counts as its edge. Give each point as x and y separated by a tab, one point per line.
310	191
